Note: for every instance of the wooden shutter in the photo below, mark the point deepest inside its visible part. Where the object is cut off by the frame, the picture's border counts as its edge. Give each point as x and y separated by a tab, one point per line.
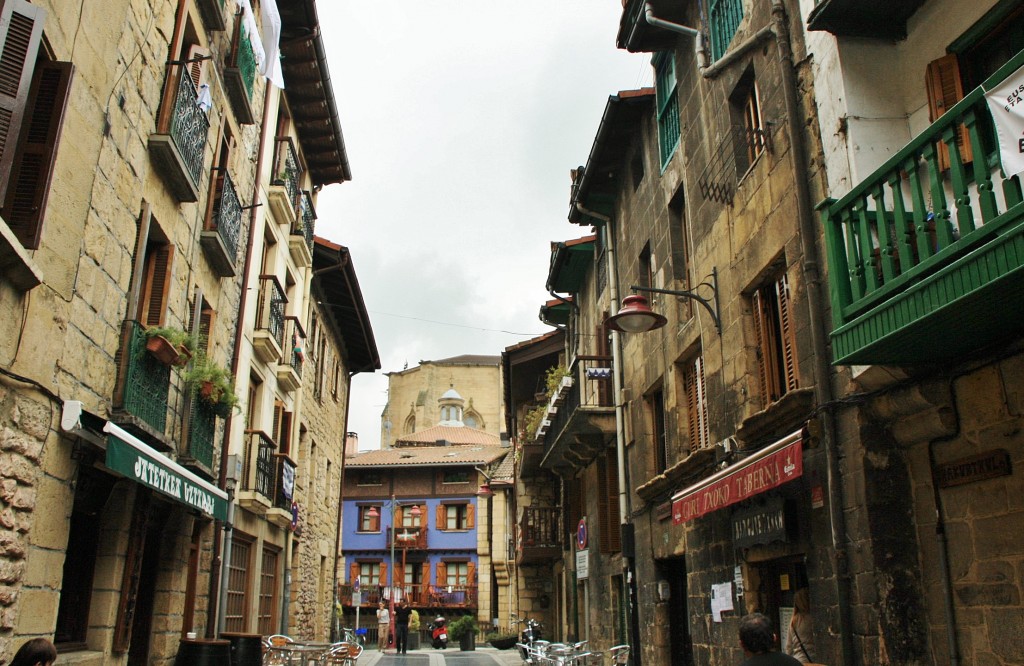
424	579
692	405
206	318
442	574
470	573
30	176
278	420
383	573
422	522
442	517
353	573
761	337
284	443
21	30
945	88
786	329
157	284
470	516
197	68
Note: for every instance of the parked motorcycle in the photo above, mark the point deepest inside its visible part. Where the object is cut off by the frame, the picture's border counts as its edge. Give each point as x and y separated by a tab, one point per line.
439	633
530	636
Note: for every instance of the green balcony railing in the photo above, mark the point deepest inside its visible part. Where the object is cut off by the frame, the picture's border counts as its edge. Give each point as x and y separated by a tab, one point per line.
202	427
146	381
243	58
915	237
227	214
308	220
287	170
189	125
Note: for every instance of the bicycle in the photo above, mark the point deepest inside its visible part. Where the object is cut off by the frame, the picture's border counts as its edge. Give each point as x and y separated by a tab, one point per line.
353	636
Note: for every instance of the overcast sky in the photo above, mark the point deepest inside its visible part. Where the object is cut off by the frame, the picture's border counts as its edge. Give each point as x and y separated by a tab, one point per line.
462	120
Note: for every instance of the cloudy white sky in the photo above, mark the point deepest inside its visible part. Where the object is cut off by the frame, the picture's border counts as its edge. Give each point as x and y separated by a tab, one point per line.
462	120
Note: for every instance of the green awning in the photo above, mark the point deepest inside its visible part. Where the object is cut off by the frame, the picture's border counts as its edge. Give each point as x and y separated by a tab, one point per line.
128	455
569	264
556	313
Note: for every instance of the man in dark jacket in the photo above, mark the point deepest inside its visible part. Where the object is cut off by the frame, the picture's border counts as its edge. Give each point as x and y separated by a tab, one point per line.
402	614
757	640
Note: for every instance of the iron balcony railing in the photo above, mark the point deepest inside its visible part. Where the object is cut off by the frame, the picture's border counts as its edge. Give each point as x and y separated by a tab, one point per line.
305	223
189	125
145	382
270	309
911	218
408	537
201	431
296	354
420	595
284	482
287	171
258	474
540	528
227	213
591	387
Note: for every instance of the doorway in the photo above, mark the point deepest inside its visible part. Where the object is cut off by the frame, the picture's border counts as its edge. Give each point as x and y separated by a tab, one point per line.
672	580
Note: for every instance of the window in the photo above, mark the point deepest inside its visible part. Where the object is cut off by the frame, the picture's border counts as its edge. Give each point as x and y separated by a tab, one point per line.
369	479
668	104
679	243
410	518
205	325
282	428
367	521
33	96
457	573
266	621
636	166
609	528
156	276
724	18
336	380
456	476
694	392
745	111
410	425
472	419
774	340
656	406
455	516
370	573
236	614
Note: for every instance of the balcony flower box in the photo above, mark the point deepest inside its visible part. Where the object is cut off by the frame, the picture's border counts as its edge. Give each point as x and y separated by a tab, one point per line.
170	346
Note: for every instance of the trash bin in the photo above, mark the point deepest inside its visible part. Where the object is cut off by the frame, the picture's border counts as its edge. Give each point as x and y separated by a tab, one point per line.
246	649
201	652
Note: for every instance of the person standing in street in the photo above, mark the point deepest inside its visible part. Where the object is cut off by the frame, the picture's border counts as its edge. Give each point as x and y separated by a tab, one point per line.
757	640
800	642
402	615
383	625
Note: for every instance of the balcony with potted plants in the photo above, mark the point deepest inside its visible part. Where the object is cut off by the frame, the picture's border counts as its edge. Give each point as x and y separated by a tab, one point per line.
579	418
285	182
178	145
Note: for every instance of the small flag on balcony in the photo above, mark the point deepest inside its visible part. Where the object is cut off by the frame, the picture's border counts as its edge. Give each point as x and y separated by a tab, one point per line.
1006	102
599	373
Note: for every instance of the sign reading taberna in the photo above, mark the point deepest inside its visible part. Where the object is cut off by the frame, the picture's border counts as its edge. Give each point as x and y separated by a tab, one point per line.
129	456
772	466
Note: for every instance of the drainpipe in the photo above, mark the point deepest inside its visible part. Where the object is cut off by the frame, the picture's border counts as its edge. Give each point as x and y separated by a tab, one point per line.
218	601
336	621
821	369
625	524
672	27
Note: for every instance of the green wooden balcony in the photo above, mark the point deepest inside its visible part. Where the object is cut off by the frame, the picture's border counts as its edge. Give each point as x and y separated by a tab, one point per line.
240	73
201	433
140	400
926	263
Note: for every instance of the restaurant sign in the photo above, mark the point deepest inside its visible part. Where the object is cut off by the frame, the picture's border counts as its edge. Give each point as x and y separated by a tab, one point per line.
760	524
769	468
154	470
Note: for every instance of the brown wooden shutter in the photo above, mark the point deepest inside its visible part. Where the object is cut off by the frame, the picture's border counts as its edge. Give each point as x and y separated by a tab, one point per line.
353	573
383	573
278	421
470	516
945	88
29	183
788	338
423	517
692	405
761	337
197	68
442	517
206	318
21	29
470	573
442	574
157	284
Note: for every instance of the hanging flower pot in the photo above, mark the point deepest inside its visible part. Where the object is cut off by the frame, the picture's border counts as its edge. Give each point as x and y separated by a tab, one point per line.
162	350
170	346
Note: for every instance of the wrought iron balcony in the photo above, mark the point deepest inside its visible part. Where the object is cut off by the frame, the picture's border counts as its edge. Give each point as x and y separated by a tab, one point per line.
924	261
179	144
540	541
285	182
240	73
300	242
420	595
289	373
409	538
202	428
140	398
223	225
268	338
284	490
258	473
581	415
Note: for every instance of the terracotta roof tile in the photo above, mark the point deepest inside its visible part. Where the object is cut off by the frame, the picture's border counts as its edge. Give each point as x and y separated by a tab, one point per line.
421	456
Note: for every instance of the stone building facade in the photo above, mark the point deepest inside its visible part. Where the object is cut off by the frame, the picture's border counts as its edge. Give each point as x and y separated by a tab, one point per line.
141	137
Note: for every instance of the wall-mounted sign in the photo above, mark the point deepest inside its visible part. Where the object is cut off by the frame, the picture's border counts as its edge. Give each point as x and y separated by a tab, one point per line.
987	465
760	524
581	534
582	565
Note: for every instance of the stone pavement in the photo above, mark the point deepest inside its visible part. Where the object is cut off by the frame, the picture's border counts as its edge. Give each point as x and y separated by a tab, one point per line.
452	656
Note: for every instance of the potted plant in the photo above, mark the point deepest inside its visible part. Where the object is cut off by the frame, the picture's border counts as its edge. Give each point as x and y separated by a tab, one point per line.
502	641
169	345
414	630
463	629
212	383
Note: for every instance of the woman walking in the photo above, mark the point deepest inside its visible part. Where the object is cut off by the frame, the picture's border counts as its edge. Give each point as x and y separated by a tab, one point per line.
383	625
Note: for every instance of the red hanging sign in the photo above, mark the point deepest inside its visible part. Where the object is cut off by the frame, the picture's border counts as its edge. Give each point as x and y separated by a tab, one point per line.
749	478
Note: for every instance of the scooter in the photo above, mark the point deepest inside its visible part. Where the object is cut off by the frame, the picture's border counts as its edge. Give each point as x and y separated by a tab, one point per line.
439	633
531	641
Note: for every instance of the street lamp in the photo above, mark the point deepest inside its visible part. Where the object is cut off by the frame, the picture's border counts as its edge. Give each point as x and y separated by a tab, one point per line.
636	316
415	512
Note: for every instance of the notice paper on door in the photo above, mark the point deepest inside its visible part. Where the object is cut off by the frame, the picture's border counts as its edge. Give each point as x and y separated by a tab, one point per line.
721	599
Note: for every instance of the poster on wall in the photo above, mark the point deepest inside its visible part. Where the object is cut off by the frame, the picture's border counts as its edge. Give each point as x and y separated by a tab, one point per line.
721	600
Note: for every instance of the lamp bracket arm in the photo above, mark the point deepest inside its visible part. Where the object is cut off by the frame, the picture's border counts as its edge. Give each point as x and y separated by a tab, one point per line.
710	304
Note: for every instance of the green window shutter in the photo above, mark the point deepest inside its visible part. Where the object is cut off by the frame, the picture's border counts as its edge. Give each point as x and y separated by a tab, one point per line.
668	104
724	17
